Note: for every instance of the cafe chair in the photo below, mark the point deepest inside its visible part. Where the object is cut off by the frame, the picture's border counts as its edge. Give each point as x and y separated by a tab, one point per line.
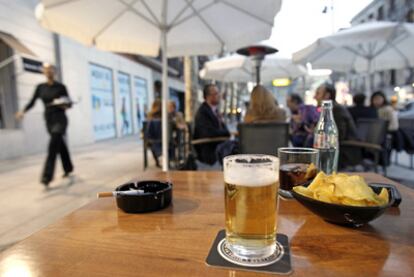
372	144
406	129
152	135
191	162
263	138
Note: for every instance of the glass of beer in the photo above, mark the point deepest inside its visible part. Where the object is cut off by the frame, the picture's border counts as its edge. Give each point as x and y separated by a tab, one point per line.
251	203
297	167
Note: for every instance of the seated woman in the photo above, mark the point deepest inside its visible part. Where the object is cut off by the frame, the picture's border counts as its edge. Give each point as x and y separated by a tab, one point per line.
387	113
263	107
175	116
385	110
180	135
153	131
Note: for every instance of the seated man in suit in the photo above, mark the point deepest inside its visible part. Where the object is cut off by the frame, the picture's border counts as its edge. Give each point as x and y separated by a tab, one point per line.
209	124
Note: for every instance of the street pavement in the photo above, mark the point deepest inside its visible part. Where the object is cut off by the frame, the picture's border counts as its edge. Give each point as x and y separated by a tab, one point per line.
27	207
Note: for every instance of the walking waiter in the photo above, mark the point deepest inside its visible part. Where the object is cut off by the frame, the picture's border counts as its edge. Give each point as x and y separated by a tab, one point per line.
56	100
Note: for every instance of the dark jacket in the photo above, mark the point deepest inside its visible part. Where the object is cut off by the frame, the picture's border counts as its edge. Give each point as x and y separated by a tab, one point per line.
346	131
344	122
154	135
358	112
207	125
56	120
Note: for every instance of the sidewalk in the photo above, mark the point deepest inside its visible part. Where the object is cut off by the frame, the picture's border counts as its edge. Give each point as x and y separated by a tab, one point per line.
28	207
402	172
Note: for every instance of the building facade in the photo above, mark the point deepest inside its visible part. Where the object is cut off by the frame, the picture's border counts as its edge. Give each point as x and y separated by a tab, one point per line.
112	93
390	81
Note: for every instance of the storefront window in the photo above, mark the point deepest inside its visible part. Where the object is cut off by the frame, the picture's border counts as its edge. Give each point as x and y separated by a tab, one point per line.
141	100
125	103
410	16
103	116
391	6
8	96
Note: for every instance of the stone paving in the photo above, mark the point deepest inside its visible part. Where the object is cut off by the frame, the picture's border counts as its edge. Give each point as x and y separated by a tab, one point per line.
27	207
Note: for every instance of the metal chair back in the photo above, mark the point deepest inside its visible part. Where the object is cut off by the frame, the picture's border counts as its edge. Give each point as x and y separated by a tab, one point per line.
263	138
372	130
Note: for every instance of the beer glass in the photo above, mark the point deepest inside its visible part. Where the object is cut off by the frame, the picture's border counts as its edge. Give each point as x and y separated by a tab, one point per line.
297	166
251	203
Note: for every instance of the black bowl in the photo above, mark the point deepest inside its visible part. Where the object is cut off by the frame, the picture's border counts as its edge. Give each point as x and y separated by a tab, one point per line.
157	195
348	215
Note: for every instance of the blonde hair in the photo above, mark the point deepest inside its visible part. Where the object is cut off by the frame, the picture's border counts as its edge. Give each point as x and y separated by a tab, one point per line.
262	105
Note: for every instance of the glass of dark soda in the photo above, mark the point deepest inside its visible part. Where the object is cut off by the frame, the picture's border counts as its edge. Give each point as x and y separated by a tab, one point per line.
298	166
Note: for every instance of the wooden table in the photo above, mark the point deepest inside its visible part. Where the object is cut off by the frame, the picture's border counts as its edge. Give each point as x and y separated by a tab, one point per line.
100	240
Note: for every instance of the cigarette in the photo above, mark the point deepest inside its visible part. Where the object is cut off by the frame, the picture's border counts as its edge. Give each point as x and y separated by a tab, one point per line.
120	193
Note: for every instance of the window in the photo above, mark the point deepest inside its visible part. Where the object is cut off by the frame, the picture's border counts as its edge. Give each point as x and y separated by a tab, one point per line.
103	110
141	101
380	15
124	95
382	78
410	16
393	77
1	115
391	7
8	99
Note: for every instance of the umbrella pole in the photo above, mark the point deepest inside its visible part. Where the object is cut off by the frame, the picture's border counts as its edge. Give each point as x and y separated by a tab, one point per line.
368	83
164	119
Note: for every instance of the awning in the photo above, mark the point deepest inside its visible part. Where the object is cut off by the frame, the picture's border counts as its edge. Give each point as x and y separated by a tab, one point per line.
25	58
14	43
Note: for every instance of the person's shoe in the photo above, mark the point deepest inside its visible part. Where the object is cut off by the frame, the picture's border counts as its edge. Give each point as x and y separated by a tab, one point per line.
67	174
45	182
157	162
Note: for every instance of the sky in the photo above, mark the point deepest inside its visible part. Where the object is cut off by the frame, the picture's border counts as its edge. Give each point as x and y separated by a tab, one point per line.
300	22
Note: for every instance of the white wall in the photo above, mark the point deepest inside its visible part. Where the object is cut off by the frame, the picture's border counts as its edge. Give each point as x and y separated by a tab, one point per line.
17	18
75	70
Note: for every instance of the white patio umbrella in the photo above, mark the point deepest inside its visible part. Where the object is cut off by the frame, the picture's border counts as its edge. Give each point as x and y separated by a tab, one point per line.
367	47
237	68
176	27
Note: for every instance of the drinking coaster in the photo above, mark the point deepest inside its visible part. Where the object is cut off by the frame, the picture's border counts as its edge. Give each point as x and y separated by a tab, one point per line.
278	263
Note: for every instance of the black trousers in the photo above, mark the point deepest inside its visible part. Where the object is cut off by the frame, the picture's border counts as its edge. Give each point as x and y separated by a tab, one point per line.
57	145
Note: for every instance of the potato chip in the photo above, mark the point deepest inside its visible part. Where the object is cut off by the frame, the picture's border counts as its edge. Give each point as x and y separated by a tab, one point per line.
352	202
311	171
317	181
343	189
304	191
384	194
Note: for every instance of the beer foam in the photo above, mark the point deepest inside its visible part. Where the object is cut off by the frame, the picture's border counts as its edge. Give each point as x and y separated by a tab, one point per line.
250	176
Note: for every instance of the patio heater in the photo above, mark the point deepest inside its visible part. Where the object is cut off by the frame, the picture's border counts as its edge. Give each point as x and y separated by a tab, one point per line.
257	53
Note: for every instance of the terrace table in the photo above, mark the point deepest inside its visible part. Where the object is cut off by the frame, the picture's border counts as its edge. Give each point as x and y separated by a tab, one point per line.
100	240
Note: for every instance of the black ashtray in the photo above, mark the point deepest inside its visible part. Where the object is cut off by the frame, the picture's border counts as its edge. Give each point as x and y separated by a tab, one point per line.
350	215
154	195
